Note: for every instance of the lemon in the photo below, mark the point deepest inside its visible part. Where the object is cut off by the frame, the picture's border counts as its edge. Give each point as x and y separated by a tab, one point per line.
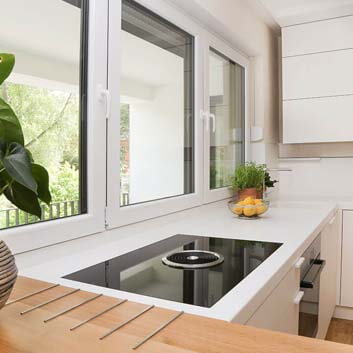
238	210
249	201
241	203
258	201
260	209
249	211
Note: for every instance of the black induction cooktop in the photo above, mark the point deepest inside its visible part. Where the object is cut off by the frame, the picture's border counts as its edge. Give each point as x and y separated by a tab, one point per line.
194	270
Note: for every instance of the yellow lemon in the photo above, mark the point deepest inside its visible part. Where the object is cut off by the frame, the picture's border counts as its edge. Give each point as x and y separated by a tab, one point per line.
238	210
241	203
249	211
249	201
260	209
258	201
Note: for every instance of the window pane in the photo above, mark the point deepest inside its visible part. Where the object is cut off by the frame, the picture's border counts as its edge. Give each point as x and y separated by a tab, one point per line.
47	91
157	113
227	103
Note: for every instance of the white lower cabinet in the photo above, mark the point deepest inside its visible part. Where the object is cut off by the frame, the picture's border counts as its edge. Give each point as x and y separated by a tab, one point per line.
328	279
347	260
280	312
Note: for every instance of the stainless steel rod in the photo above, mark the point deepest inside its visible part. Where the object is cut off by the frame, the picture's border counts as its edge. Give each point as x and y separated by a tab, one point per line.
71	308
158	330
48	302
97	315
33	293
126	322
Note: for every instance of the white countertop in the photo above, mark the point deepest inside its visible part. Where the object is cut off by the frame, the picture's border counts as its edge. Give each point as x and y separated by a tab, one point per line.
295	224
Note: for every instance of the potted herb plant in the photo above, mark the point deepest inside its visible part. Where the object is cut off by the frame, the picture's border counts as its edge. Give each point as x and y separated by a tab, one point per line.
23	182
250	179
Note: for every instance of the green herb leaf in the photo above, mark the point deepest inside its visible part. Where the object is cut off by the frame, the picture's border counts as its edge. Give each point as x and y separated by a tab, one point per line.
10	127
41	176
17	164
7	62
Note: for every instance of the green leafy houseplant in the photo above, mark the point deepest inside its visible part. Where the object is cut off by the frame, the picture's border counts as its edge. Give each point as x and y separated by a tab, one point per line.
22	181
248	176
252	177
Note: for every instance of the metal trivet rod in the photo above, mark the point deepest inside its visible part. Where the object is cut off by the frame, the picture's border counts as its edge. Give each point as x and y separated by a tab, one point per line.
31	294
116	328
72	308
48	302
97	315
158	330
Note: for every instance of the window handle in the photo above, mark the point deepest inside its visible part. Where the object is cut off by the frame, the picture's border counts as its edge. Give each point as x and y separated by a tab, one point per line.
105	94
213	118
204	116
298	298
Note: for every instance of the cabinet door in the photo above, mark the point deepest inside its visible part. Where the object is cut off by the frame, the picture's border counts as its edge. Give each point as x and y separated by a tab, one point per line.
347	260
328	279
279	312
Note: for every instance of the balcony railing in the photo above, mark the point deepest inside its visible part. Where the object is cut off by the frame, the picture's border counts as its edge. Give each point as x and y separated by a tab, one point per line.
12	217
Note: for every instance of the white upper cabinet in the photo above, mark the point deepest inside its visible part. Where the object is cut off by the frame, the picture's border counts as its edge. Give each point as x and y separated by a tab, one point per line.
317	84
318	75
315	37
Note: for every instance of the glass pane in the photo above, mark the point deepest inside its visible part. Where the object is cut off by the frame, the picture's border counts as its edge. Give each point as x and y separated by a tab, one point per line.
47	91
227	103
157	113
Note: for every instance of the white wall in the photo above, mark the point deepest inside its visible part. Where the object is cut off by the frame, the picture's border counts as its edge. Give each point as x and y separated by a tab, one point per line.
325	179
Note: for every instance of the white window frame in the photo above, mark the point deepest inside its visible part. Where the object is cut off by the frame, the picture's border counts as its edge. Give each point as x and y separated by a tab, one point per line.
41	234
115	215
211	41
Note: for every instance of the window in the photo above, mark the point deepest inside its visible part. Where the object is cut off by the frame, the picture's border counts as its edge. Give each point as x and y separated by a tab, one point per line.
116	117
157	108
47	91
227	107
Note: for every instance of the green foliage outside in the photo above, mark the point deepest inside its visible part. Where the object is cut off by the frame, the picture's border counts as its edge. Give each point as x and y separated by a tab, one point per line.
50	123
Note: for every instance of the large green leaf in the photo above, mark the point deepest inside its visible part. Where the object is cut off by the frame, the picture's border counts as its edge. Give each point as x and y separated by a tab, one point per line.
7	62
10	127
23	198
17	164
42	178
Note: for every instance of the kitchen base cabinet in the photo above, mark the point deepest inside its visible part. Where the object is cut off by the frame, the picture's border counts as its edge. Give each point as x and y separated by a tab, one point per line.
328	279
347	260
280	312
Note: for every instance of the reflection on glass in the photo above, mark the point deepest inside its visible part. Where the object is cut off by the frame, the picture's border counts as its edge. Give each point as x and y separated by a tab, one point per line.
227	100
46	90
156	118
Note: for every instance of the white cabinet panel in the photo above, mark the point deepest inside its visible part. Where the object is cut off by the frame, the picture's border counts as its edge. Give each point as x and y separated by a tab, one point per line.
279	312
327	119
347	260
333	34
318	75
328	279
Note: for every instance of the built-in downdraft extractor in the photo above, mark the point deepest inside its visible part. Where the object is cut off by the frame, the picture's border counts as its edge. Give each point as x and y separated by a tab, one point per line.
191	259
195	270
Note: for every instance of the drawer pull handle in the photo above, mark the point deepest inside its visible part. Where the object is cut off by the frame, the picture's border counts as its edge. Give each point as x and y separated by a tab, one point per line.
298	298
299	263
313	274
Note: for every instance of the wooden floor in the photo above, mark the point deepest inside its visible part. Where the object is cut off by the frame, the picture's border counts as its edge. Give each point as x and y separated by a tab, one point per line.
340	331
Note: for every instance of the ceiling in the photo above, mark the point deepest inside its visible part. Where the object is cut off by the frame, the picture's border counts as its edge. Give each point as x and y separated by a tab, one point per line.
290	12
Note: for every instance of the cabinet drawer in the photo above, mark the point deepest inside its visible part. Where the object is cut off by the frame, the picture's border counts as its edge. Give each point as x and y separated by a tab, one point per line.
347	260
333	34
279	312
318	75
318	120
